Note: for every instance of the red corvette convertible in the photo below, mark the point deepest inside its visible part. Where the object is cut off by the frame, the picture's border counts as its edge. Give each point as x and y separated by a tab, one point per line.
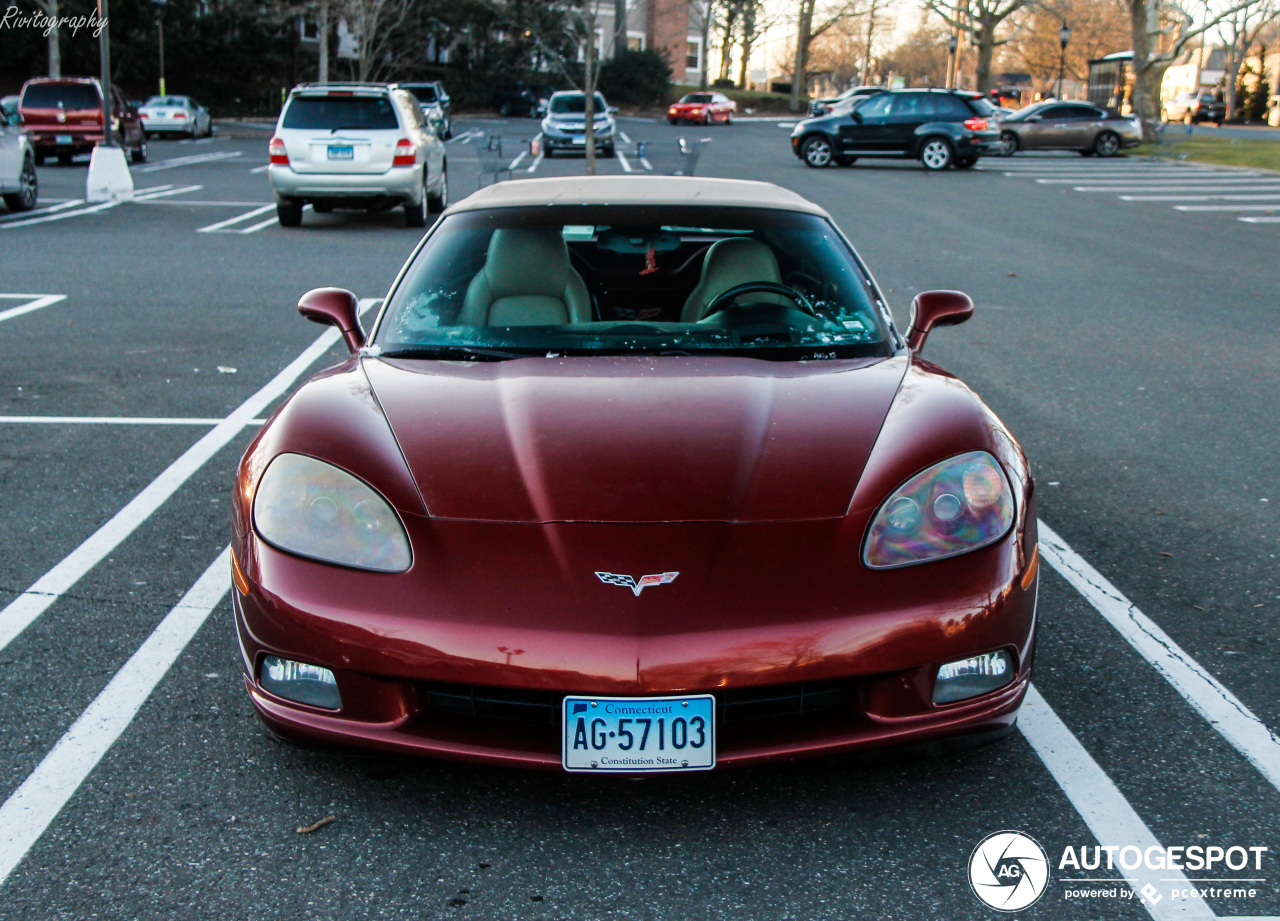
634	474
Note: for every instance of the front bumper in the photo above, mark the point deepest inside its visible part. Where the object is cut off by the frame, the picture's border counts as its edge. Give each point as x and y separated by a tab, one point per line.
399	183
399	662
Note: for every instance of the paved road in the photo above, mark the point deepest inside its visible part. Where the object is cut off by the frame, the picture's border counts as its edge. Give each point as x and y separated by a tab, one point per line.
1132	346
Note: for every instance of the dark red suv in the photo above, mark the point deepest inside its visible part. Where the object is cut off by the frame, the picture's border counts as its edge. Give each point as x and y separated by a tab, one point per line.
63	116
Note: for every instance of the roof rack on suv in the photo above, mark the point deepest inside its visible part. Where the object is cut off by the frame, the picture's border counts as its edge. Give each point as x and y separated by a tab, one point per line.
342	83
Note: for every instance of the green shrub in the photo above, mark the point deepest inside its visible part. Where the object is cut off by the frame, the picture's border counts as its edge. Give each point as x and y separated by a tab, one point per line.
636	78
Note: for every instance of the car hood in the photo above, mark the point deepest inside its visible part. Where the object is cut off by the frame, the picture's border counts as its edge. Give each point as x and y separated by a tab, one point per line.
636	438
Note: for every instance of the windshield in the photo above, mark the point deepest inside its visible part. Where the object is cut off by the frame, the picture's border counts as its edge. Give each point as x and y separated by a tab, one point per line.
697	97
578	280
575	104
179	101
424	93
329	113
61	96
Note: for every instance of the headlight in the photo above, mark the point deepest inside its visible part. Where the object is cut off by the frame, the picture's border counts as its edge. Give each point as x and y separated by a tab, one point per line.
951	508
313	509
604	128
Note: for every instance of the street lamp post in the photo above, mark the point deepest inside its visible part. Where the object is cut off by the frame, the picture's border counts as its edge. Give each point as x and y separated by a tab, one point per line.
1064	36
952	44
104	49
160	4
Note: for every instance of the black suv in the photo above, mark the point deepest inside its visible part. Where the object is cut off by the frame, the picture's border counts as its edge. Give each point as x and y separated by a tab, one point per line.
940	128
527	100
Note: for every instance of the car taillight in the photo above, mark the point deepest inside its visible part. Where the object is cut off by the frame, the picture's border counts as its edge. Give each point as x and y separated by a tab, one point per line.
976	124
277	152
179	114
404	153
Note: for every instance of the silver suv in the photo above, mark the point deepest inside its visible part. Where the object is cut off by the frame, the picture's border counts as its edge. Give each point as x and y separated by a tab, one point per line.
356	145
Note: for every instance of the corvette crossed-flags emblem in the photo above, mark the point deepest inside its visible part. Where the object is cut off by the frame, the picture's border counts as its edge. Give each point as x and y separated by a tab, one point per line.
637	585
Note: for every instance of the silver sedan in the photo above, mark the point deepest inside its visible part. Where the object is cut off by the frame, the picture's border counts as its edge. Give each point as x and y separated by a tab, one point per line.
177	114
1054	125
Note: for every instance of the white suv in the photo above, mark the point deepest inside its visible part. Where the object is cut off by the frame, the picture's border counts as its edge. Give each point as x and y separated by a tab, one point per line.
360	145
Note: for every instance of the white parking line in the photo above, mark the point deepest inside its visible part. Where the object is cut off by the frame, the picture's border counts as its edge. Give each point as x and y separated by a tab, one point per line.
27	215
215	228
205	204
1103	807
622	160
107	420
537	161
465	137
1223	710
261	169
33	602
518	160
644	161
1274	207
27	813
269	222
34	302
186	161
1199	197
140	194
152	194
1183	187
1261	220
624	137
1216	179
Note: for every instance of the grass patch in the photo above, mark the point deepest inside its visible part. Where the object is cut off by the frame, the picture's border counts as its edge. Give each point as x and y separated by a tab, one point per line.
1257	153
762	103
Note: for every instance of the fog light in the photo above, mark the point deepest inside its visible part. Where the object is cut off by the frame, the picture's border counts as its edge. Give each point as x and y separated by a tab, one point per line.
297	681
971	677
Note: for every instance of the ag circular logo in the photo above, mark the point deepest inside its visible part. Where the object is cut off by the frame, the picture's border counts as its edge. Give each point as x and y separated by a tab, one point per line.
1008	871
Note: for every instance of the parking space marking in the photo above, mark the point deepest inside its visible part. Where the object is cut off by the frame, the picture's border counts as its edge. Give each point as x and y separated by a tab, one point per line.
465	137
186	161
515	164
624	137
1261	220
139	195
105	420
622	160
537	161
26	215
269	222
1214	179
1199	197
33	302
1227	207
28	811
1225	712
220	226
1210	186
33	602
205	204
261	169
1110	817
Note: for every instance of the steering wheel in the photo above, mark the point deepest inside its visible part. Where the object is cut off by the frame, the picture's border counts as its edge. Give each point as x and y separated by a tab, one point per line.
722	300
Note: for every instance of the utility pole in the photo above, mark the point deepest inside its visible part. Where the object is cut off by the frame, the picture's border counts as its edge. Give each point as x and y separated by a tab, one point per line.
322	28
160	4
104	48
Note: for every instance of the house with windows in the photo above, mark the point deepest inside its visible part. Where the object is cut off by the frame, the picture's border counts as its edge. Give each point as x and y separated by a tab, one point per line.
673	26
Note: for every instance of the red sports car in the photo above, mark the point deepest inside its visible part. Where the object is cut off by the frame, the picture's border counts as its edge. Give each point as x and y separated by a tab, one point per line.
702	109
634	474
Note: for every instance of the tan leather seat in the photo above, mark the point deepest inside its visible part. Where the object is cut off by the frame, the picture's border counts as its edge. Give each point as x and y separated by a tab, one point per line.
526	281
727	264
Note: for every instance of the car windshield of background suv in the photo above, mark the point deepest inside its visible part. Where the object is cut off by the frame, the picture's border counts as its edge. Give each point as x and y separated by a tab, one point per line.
575	105
61	96
512	282
331	113
426	95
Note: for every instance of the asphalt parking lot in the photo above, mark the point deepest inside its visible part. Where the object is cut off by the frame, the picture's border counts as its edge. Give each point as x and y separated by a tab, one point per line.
1125	329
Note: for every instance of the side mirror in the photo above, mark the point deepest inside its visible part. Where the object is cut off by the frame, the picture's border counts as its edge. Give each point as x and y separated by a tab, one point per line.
936	308
857	116
1035	118
335	307
612	110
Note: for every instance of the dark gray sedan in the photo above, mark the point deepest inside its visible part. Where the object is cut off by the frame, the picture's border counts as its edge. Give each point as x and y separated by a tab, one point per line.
1053	125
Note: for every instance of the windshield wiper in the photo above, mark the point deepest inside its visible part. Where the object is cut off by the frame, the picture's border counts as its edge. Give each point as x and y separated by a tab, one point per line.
351	128
452	352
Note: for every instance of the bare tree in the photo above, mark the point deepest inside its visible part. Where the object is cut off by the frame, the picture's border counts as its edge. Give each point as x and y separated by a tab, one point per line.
807	29
1238	34
322	33
1098	27
981	19
1160	30
373	23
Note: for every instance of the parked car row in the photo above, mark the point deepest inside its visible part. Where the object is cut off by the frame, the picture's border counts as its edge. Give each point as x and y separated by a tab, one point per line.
63	117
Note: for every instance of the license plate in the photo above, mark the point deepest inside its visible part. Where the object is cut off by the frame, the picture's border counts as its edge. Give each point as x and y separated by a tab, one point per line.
62	139
579	140
635	734
342	153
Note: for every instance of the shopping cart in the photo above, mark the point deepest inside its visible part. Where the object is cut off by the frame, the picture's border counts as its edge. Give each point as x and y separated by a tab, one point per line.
667	159
494	164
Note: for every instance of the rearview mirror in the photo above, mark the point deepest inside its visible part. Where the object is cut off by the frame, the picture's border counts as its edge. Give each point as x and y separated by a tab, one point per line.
335	307
936	308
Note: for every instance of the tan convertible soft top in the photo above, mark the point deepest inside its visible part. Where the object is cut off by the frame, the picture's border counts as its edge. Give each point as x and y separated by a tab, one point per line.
636	190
